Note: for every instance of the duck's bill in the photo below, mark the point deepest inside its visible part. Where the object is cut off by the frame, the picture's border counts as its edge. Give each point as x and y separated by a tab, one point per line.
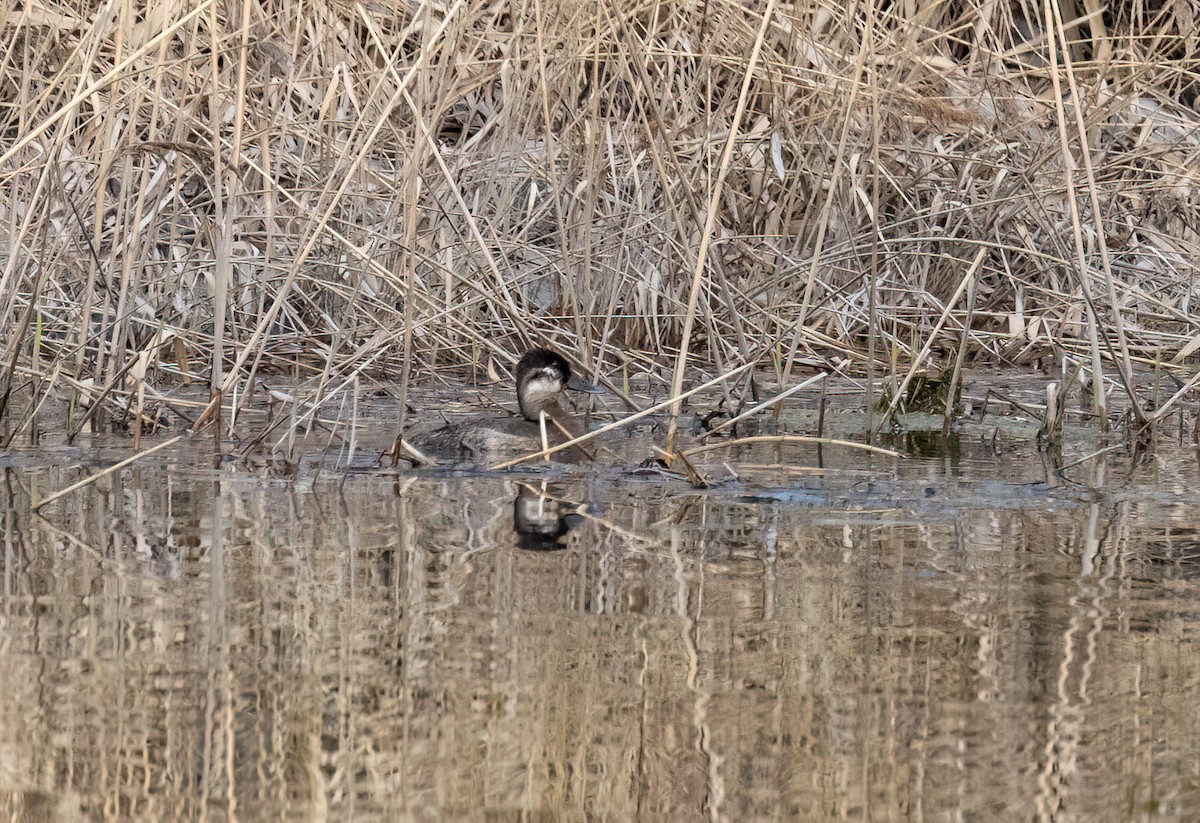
579	384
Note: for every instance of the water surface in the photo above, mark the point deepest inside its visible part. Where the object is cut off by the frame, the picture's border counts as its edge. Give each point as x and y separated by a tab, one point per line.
832	635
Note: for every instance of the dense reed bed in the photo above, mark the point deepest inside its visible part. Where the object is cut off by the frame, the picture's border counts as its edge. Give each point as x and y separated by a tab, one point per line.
212	190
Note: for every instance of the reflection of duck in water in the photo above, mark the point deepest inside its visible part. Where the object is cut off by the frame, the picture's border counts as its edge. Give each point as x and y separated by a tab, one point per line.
541	377
541	521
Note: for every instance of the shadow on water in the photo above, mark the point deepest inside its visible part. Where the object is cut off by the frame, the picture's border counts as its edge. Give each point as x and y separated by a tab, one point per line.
952	634
929	444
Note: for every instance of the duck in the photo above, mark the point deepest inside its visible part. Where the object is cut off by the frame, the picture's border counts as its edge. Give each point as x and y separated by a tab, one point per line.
541	377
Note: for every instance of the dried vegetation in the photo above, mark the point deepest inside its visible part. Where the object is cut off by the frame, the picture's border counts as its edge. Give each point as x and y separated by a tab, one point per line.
207	191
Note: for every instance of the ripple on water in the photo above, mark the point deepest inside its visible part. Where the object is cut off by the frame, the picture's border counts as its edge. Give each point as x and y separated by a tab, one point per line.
966	636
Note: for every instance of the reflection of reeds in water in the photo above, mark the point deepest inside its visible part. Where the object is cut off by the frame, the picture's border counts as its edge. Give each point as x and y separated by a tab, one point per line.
324	190
371	651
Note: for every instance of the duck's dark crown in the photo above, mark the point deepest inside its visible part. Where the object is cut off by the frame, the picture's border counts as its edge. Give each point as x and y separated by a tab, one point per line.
538	359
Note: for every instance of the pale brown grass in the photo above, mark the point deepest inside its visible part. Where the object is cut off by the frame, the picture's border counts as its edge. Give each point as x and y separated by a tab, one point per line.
207	192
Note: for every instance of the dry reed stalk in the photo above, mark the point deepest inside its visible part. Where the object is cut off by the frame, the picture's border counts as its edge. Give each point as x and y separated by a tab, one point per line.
710	223
965	285
788	438
87	481
1054	30
772	402
350	189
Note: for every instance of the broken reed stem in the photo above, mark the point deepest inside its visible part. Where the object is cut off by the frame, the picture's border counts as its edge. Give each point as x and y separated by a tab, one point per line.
419	457
766	404
675	460
87	481
567	433
1165	409
1098	453
789	438
1052	423
545	437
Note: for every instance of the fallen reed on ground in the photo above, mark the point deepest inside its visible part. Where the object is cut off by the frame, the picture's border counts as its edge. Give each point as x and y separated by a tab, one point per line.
217	190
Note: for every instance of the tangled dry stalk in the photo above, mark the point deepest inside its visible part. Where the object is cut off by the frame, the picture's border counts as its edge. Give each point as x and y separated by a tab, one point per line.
212	190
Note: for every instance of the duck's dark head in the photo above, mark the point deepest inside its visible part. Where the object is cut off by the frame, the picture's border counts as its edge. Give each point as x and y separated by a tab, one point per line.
541	377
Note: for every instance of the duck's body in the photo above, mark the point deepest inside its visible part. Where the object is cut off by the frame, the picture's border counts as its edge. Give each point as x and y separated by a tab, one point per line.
492	442
541	377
